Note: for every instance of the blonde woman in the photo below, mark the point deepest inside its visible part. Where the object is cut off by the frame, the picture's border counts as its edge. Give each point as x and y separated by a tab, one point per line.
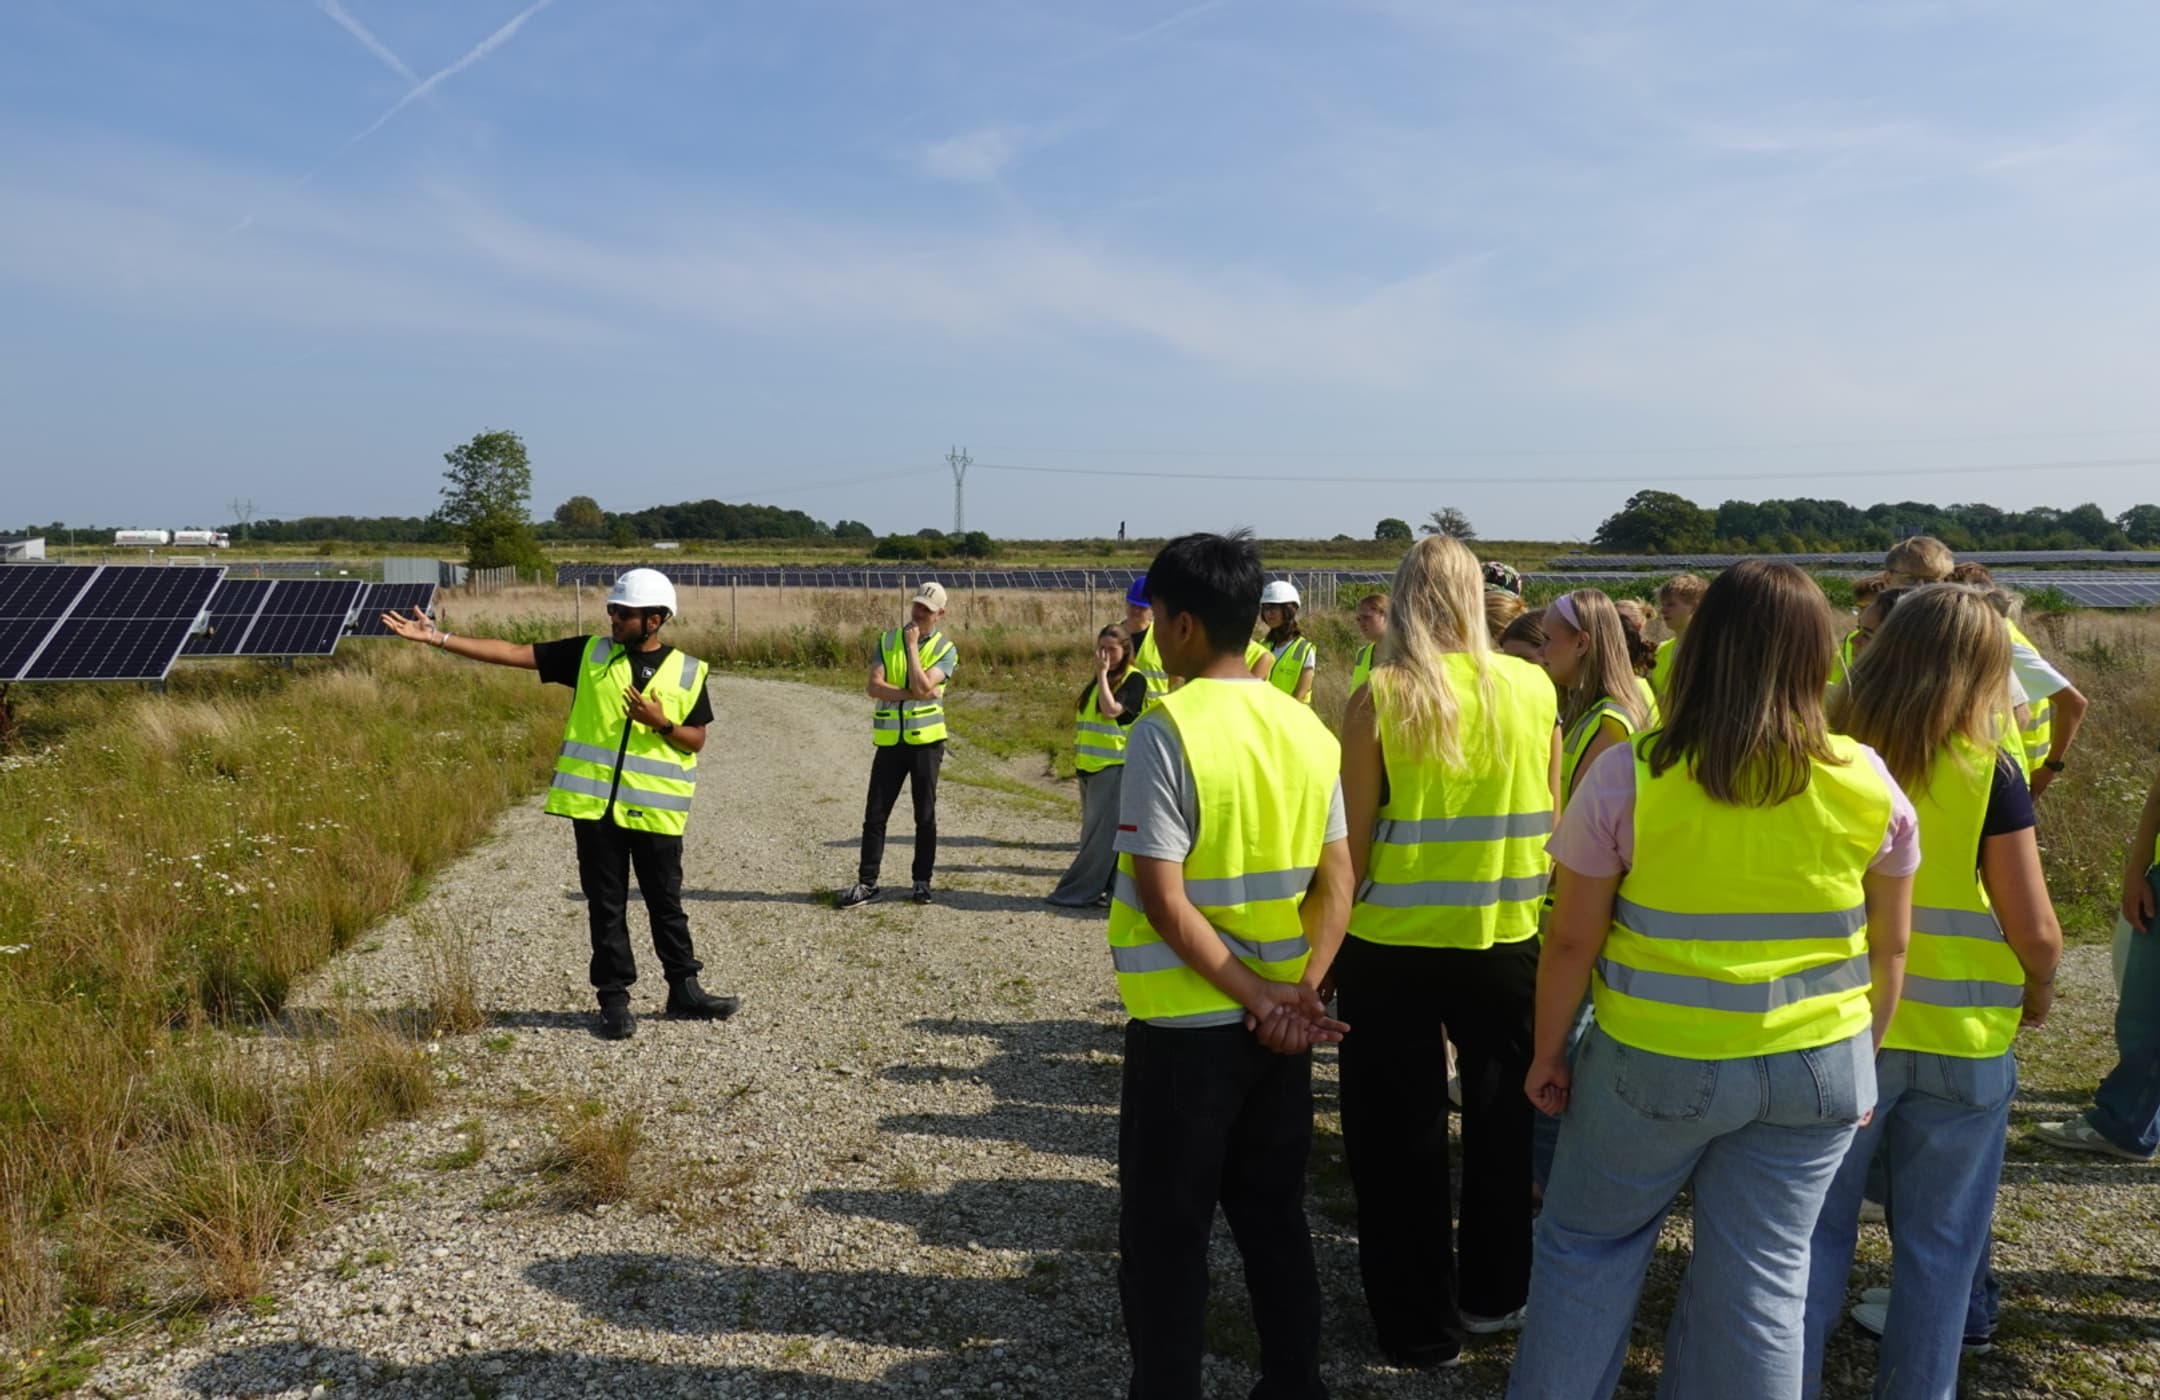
1930	695
1450	758
1741	993
1586	654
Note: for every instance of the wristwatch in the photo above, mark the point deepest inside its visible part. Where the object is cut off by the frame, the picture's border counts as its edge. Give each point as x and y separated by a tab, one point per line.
666	729
2053	765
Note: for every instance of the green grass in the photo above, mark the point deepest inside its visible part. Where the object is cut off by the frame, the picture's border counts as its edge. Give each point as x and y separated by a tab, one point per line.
170	863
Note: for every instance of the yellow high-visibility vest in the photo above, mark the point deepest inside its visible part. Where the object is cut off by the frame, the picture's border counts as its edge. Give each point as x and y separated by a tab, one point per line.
1576	743
1147	660
910	721
2039	730
1362	671
1290	665
1098	743
1458	856
1742	931
1964	987
605	758
1264	771
1661	668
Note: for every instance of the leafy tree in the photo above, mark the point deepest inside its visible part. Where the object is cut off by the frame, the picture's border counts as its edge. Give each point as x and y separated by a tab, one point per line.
622	534
1450	522
932	534
581	516
853	530
486	501
1392	529
2142	524
907	548
975	544
1658	522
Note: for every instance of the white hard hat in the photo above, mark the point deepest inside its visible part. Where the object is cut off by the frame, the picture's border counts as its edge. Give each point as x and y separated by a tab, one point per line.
643	588
1280	591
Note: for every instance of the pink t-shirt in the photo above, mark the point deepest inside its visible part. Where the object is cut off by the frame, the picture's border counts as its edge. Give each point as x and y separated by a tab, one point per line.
1597	832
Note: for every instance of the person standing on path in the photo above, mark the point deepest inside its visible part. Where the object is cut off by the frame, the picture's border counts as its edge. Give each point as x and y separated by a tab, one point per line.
1736	893
1450	776
2124	1120
624	777
908	732
1109	707
1930	694
1233	865
1293	660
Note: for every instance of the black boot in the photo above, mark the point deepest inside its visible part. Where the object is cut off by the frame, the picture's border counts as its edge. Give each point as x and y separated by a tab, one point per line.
686	998
616	1022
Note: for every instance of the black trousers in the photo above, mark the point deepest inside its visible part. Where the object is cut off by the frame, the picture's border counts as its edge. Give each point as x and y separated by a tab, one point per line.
1209	1115
606	854
916	766
1395	1131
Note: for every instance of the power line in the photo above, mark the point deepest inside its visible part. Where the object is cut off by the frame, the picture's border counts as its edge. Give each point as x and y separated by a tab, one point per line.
1481	453
1521	479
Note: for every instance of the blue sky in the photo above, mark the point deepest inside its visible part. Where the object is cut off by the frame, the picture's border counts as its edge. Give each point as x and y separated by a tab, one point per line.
1521	259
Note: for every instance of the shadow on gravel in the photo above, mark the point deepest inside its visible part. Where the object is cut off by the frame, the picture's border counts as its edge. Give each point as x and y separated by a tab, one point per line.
1007	1213
297	1368
903	836
1053	1080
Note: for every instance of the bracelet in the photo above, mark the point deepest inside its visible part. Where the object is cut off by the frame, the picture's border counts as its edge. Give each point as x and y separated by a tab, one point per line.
443	641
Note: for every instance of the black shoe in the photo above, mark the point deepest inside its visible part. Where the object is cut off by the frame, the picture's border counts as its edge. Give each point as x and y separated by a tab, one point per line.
921	894
686	998
858	895
1102	901
616	1022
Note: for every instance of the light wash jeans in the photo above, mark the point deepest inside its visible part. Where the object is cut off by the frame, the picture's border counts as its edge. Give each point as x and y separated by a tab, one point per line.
1761	1138
2126	1109
1940	1122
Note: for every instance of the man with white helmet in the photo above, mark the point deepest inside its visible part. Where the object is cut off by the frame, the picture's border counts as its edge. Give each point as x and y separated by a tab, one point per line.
625	777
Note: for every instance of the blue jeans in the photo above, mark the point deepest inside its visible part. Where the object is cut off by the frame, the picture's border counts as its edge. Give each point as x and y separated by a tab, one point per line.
1761	1137
2126	1109
1940	1122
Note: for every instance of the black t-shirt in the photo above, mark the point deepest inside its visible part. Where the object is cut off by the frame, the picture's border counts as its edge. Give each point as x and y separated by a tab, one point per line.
561	661
1130	693
2010	804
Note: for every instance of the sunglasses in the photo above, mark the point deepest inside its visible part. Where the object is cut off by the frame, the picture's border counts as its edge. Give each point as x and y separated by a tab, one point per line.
623	614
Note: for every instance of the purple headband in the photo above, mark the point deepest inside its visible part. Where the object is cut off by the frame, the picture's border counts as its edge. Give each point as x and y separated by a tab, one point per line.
1565	606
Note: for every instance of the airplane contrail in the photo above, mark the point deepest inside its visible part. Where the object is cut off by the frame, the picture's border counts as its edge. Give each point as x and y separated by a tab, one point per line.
345	21
427	85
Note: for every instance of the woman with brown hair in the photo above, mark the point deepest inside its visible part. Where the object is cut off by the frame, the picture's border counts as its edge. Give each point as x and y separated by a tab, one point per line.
1736	893
1104	714
1930	695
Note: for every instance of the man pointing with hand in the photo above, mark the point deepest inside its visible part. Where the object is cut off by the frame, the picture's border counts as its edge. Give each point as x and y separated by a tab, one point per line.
625	777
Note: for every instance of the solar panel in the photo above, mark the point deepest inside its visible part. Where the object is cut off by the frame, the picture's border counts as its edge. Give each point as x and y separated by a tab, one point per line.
32	602
277	617
390	597
122	623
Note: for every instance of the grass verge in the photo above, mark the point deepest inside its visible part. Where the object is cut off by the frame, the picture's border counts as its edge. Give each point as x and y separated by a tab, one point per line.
169	864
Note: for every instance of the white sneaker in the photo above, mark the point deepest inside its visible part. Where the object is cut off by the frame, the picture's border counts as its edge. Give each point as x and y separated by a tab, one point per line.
1487	1326
1873	1312
2079	1135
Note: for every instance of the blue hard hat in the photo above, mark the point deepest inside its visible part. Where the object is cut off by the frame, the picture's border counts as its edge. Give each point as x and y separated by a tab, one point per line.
1136	596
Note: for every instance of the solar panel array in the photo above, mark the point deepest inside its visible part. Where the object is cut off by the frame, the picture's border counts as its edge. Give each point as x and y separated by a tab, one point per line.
99	622
1872	559
277	617
390	597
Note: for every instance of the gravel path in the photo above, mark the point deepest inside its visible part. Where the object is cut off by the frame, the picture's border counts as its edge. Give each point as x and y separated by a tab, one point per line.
890	1174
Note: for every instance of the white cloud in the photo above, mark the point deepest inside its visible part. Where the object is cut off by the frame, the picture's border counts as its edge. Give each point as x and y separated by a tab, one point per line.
972	157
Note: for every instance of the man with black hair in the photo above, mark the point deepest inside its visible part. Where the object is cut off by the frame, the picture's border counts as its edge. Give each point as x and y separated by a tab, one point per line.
1232	858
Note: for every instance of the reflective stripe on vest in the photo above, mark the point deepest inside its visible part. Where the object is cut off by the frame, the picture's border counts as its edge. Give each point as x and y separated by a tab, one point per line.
1290	666
1263	773
1458	856
1964	987
910	721
608	766
1147	660
1098	743
1741	931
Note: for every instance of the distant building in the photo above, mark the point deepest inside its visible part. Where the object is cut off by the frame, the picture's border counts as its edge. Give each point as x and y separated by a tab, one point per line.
17	549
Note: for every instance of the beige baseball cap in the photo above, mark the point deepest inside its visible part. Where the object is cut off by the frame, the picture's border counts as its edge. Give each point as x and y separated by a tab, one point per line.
931	595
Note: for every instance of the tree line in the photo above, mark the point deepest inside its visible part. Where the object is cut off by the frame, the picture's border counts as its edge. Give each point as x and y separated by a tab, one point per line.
1662	522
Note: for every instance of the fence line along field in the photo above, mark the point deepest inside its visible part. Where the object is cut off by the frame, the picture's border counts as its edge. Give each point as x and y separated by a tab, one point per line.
175	864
